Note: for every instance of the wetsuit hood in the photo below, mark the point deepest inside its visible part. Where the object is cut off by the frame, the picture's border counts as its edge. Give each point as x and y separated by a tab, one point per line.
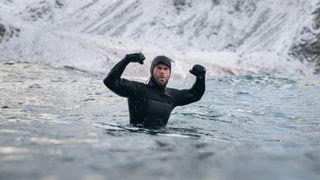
160	60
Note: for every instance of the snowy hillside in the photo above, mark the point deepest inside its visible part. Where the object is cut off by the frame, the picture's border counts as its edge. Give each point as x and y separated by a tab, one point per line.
228	37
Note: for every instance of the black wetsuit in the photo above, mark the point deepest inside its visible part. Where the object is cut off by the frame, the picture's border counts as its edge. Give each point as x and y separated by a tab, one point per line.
149	104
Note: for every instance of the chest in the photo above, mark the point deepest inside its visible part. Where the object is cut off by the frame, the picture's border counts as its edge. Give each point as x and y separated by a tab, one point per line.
156	95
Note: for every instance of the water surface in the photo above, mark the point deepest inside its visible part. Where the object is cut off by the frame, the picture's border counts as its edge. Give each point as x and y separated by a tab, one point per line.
63	123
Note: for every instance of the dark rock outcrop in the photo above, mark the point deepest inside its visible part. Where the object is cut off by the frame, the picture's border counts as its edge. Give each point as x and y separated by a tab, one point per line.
42	10
307	46
8	32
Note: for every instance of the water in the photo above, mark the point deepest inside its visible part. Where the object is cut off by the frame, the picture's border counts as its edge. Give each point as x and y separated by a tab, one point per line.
63	123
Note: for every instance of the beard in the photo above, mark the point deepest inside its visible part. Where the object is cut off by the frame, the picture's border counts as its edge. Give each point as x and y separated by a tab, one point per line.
161	81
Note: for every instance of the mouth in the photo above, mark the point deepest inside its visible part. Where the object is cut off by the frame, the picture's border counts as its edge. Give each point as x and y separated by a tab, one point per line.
161	80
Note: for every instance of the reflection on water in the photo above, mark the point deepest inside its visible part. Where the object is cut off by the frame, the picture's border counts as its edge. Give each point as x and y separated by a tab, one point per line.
62	123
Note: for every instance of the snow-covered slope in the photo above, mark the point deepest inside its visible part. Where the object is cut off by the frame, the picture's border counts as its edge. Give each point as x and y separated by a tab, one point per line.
228	37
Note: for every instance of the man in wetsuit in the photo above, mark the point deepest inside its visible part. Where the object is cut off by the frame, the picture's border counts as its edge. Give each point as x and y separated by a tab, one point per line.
150	104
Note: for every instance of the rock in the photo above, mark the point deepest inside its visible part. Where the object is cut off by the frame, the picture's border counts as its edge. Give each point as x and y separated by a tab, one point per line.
307	46
2	30
7	32
8	63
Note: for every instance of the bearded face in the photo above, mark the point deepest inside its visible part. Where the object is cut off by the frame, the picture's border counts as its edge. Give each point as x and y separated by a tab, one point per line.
161	74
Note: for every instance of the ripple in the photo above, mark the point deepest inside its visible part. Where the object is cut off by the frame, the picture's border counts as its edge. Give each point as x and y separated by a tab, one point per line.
13	150
205	155
45	140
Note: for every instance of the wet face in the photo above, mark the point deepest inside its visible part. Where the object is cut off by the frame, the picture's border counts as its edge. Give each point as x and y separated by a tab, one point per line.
161	74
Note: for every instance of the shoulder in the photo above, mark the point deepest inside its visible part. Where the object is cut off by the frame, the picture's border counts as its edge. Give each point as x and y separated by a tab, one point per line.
174	92
138	83
132	82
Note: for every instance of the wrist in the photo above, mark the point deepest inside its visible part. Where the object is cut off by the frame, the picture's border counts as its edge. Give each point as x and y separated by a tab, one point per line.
200	76
127	59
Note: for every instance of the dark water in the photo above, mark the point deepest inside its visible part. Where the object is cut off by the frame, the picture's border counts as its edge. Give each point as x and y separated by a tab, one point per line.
62	123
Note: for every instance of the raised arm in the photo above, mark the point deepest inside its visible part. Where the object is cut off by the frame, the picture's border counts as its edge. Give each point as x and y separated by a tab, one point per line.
121	86
195	93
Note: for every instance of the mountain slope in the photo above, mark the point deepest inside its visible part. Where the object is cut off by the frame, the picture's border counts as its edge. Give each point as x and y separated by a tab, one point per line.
176	27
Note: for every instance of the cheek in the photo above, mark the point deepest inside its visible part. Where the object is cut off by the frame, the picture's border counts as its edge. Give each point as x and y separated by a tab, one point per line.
155	73
168	74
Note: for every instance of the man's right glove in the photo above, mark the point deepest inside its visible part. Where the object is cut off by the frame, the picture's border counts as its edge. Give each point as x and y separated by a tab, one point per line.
136	57
198	70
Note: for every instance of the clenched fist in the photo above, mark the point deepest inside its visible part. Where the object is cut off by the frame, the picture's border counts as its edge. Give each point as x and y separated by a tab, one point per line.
136	57
198	70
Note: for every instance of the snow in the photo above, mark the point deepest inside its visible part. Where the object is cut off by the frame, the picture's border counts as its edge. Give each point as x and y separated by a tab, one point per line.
228	37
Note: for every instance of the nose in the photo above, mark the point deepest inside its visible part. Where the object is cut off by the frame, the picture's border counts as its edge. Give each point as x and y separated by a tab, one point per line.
162	71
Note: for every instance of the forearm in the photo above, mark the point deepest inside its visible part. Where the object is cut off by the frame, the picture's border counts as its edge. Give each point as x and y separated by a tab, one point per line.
198	88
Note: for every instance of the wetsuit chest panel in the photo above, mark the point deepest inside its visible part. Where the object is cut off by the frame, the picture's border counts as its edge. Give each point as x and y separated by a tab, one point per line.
150	106
157	95
157	113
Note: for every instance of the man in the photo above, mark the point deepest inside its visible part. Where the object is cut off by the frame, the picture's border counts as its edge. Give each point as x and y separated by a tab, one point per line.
150	104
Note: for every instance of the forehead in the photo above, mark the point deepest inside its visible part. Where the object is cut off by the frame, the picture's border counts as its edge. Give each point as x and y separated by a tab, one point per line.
161	65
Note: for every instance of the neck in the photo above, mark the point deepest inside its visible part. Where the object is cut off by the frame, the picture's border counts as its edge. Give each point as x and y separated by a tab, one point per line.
152	82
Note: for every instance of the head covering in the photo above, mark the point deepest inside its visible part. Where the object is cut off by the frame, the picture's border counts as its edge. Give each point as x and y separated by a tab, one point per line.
160	60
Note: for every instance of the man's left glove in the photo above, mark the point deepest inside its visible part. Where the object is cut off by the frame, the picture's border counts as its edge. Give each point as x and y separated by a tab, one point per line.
198	70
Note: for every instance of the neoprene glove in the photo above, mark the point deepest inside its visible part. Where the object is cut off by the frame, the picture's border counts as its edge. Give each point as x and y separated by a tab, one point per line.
198	70
136	57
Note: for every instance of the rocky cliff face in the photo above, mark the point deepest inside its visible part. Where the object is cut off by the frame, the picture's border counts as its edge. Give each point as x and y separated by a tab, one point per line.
44	10
205	25
306	46
8	32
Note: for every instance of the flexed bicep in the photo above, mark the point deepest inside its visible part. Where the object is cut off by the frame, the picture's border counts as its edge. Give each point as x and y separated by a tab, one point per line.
120	86
187	96
124	87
